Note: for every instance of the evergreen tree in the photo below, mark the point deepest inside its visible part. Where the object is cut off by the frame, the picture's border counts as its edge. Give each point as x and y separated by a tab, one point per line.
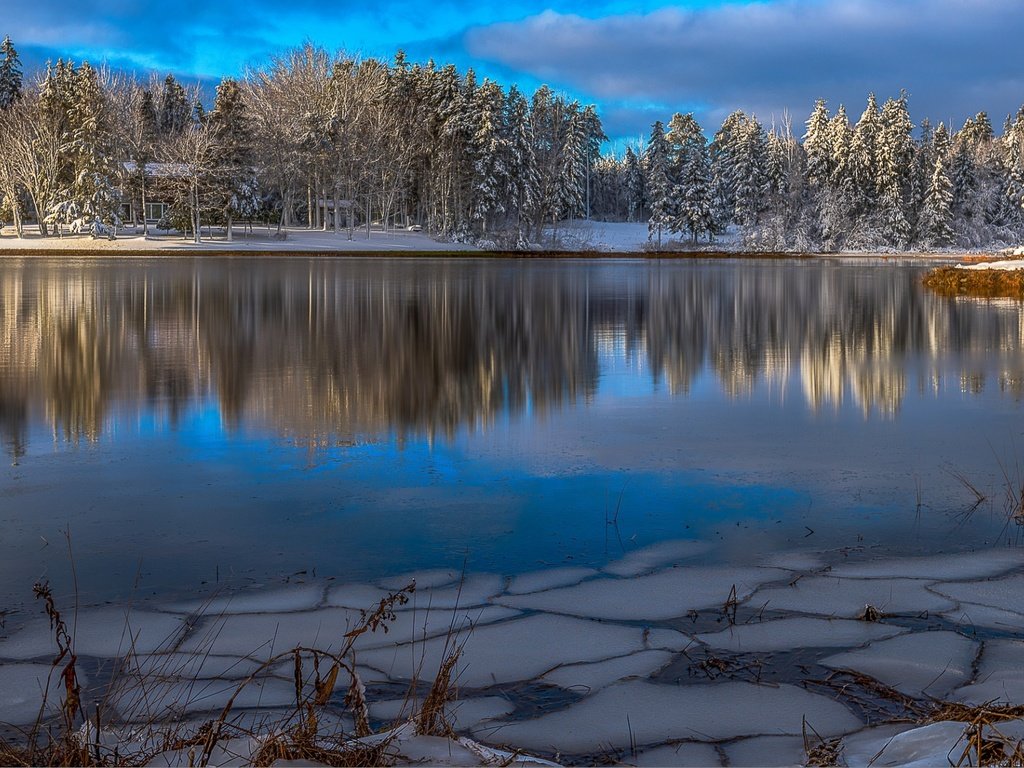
751	175
10	74
658	183
175	112
636	193
937	216
818	146
690	169
894	154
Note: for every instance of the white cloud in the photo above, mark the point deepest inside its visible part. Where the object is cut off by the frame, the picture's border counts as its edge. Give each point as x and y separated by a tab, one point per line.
954	57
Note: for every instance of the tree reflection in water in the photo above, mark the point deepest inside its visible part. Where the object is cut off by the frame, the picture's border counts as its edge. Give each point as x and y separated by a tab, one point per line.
325	350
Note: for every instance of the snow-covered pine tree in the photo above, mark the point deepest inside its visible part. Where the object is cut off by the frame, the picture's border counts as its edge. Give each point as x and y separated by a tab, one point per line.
571	184
690	170
894	150
522	163
864	155
818	146
10	74
636	193
751	176
936	222
724	152
492	165
658	182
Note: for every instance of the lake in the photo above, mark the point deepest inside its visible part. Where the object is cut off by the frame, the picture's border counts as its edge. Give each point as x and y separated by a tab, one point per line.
234	420
601	448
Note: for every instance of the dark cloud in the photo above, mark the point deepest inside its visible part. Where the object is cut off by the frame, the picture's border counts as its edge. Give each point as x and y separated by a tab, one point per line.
954	57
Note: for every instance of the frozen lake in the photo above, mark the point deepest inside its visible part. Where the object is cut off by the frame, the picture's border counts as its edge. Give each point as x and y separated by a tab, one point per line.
652	497
197	422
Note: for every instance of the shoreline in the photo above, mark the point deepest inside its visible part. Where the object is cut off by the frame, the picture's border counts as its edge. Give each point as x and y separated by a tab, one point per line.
405	244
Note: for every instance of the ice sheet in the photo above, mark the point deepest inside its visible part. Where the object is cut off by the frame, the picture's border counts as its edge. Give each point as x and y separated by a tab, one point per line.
918	664
1006	594
1000	675
798	632
463	714
521	649
192	665
687	753
647	713
766	751
475	589
960	566
587	678
663	595
539	581
21	691
358	596
846	598
970	616
259	634
173	699
924	747
300	597
656	555
105	632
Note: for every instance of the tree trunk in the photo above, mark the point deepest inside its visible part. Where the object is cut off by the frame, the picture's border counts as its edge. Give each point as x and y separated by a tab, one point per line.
145	220
229	228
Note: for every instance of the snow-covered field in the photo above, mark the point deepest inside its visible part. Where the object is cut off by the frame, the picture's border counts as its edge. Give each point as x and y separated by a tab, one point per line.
260	239
653	660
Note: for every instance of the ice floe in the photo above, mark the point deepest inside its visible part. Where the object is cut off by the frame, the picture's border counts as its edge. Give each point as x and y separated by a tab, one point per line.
300	597
260	635
767	751
587	678
970	616
656	555
959	566
1000	675
437	577
647	713
932	745
798	632
473	590
191	665
147	701
521	649
104	632
846	598
662	595
918	664
1006	594
463	715
539	581
683	754
21	691
357	596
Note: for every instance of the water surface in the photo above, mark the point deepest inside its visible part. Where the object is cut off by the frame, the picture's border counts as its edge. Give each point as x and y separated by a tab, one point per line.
211	421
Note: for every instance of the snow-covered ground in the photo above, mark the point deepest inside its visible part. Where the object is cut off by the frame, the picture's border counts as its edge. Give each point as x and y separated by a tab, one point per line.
577	235
655	659
296	239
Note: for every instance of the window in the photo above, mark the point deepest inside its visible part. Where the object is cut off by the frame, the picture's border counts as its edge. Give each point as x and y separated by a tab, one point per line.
155	211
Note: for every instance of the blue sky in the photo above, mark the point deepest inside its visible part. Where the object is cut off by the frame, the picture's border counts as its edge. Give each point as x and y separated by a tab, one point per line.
638	61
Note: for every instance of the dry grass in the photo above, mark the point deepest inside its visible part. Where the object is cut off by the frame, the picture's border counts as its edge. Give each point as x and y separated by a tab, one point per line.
981	283
308	731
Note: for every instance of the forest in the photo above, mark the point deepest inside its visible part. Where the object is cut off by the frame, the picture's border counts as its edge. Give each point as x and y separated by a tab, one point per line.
335	142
